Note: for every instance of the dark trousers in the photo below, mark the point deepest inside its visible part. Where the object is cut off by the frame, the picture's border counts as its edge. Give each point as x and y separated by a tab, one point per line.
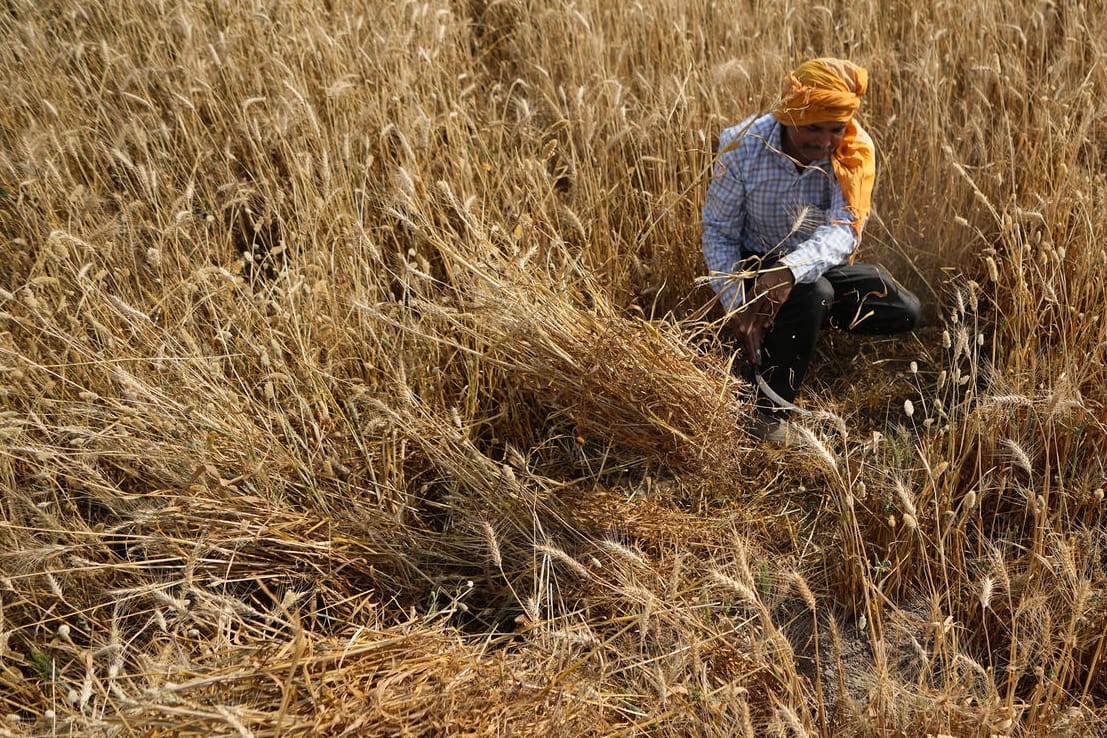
858	298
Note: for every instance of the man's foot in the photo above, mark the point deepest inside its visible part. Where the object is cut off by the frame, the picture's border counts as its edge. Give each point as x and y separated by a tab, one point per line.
772	429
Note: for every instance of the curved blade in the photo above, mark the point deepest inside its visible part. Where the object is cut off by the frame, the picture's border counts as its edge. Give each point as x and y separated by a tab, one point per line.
776	399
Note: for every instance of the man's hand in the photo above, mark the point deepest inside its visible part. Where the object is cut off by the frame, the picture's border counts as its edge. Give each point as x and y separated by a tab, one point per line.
749	324
773	287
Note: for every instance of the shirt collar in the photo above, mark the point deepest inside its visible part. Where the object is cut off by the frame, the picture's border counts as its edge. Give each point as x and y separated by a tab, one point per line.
775	143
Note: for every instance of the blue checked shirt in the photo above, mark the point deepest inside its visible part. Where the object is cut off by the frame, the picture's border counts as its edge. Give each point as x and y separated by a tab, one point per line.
758	200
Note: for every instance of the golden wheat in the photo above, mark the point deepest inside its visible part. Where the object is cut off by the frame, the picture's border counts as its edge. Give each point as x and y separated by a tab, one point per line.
359	377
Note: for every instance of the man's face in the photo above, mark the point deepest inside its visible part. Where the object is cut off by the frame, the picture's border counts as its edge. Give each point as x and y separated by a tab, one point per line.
813	142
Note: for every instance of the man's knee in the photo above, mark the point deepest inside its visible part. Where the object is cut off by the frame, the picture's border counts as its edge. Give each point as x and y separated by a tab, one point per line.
803	314
814	298
912	309
904	309
823	291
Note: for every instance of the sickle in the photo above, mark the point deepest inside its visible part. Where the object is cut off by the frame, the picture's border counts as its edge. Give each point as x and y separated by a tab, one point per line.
776	399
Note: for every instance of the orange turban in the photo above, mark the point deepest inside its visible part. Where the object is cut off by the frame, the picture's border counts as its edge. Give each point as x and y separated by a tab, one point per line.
825	90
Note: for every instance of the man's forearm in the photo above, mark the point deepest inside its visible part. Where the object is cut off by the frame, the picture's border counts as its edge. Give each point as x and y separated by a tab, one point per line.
829	247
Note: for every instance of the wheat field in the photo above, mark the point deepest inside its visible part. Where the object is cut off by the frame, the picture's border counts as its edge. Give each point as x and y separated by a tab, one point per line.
358	377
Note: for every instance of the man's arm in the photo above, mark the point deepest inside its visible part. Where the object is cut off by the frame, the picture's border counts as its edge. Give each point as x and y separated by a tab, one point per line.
724	220
829	246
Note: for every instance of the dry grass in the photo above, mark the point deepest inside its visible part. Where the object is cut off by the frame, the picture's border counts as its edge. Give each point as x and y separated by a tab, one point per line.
357	379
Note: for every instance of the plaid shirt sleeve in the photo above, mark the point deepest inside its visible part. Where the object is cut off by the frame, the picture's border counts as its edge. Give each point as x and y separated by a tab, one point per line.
724	222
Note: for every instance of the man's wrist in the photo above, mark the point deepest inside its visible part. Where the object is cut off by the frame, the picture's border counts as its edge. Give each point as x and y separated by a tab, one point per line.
777	276
793	270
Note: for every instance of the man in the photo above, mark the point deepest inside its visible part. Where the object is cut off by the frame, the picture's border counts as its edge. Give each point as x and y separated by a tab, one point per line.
783	218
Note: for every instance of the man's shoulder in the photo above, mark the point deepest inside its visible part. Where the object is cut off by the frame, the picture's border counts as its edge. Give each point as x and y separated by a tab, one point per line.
747	134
